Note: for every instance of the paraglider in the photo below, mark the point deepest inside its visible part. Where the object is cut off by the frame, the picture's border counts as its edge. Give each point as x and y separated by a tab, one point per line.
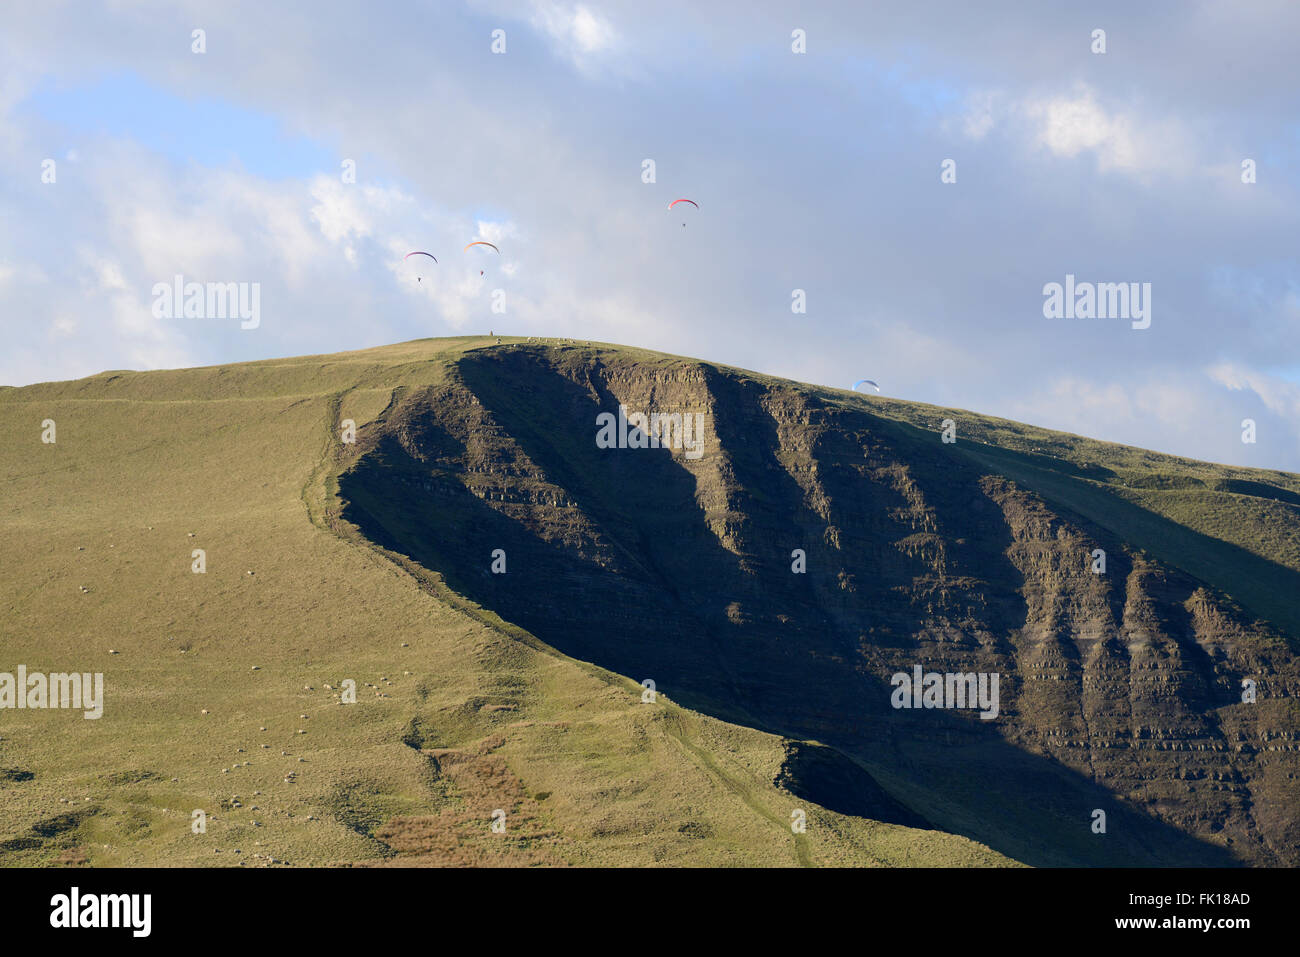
419	253
676	201
480	242
865	382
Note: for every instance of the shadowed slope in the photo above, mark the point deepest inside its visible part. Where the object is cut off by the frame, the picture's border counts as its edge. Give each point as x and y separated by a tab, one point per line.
1118	692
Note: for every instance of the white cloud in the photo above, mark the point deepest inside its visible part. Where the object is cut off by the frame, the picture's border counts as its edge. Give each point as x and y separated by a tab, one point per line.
1071	124
350	211
978	117
1278	395
577	31
590	32
494	232
1120	139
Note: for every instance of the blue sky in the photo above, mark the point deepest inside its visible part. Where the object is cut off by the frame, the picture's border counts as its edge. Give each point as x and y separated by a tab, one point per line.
817	171
205	130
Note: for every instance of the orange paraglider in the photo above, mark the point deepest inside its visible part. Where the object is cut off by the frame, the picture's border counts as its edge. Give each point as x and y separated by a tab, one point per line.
480	242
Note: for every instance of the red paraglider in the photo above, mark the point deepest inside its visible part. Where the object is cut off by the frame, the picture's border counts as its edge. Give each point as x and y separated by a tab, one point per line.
676	201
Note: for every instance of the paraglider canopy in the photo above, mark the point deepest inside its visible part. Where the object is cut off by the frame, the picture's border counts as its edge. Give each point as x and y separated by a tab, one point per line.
480	242
676	201
419	252
866	382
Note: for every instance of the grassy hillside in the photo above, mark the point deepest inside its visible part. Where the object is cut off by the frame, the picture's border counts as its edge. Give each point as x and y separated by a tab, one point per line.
223	687
369	562
1121	690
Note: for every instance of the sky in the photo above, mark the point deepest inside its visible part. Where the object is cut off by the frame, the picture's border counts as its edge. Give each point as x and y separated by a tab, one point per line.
131	152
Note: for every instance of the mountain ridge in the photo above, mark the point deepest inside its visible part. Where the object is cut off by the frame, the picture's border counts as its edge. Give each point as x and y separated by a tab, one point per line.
516	485
962	557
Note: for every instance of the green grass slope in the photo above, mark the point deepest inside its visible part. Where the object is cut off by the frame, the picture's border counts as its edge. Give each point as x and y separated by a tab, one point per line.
223	688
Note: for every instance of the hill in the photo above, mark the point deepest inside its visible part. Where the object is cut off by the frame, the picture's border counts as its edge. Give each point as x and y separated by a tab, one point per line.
520	690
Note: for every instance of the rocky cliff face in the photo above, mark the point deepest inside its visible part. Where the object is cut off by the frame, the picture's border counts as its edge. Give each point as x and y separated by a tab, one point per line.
815	549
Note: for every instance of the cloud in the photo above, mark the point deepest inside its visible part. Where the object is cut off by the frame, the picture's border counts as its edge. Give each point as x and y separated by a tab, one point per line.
1074	123
577	31
340	212
1278	395
978	118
